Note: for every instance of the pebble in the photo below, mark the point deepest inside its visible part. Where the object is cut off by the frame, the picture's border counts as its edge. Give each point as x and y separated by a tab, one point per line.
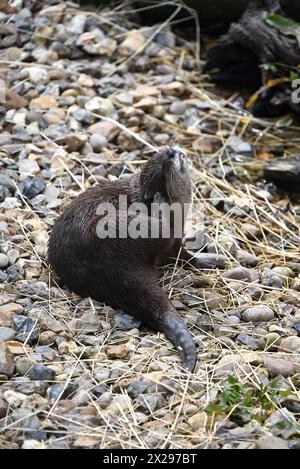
270	279
232	364
4	261
246	259
239	146
26	328
7	311
97	142
241	273
178	107
38	75
271	442
77	24
13	255
33	187
14	399
33	444
105	399
148	402
3	409
23	365
270	341
102	374
259	313
43	102
247	340
137	387
283	271
251	231
27	168
101	106
52	145
213	300
125	322
6	362
281	367
6	333
290	344
47	337
117	351
89	322
41	372
61	391
198	421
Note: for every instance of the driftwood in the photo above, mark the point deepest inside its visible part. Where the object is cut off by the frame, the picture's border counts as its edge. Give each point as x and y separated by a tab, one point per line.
254	41
284	173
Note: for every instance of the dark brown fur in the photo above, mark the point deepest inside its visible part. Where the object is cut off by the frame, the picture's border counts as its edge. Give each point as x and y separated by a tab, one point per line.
122	272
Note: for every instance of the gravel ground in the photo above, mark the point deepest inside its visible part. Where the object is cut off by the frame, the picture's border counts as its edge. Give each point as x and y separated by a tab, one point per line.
88	96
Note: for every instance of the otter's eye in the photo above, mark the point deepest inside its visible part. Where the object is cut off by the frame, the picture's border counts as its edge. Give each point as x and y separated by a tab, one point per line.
171	152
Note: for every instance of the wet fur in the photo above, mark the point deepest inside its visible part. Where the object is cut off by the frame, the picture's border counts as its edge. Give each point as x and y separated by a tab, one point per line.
122	272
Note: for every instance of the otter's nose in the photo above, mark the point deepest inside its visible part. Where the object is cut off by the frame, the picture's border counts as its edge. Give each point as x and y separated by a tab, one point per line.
175	152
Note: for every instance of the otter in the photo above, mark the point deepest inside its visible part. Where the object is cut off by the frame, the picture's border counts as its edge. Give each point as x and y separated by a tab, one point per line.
122	271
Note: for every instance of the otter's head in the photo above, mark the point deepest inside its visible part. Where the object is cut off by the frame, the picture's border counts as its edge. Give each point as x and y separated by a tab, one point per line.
167	172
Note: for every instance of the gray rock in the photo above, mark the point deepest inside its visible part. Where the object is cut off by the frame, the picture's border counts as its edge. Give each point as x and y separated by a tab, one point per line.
89	322
28	167
6	333
271	279
60	391
232	365
270	341
41	372
77	24
25	419
26	328
33	187
82	115
178	107
13	255
102	106
148	402
6	362
259	313
245	339
241	273
281	366
290	344
271	442
102	374
125	322
105	399
246	259
99	389
97	142
13	398
38	74
239	146
4	261
137	387
23	365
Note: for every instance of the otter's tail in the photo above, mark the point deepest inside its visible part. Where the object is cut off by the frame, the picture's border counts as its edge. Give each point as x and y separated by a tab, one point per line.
176	331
